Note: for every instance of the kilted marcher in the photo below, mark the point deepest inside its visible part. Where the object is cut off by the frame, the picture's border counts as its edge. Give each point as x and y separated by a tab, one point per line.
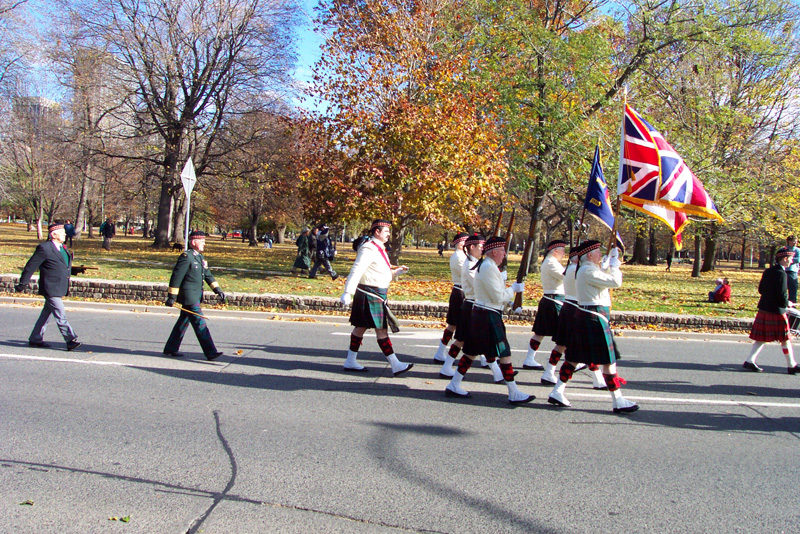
54	263
591	340
771	323
473	247
456	299
366	289
487	333
546	321
186	286
561	338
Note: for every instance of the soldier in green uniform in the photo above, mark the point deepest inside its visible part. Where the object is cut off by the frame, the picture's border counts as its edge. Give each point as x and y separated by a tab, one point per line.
186	286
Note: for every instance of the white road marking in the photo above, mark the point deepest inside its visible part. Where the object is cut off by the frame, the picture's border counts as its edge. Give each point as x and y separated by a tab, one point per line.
66	360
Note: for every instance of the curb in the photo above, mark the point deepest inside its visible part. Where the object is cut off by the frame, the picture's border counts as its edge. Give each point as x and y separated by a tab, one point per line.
412	311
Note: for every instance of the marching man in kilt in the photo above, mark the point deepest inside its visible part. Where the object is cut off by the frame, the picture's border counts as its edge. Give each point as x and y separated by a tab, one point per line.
561	338
771	323
473	247
546	321
456	300
186	286
487	333
591	340
366	289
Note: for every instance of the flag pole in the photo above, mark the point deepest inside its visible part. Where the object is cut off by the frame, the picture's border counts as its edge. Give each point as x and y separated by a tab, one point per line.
613	241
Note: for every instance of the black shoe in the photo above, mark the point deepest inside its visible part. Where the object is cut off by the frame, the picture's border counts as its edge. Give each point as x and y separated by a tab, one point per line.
598	388
445	377
334	277
72	345
556	402
39	344
629	409
438	362
451	393
752	367
533	367
794	370
398	373
173	353
355	370
547	382
214	356
523	401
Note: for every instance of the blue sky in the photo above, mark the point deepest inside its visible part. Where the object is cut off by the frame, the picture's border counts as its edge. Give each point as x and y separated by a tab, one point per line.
308	47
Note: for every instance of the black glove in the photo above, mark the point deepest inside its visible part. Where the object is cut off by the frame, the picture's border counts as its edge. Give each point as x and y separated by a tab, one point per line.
170	301
78	270
19	288
220	295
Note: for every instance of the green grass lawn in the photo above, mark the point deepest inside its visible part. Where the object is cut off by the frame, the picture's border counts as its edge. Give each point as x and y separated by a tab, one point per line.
240	268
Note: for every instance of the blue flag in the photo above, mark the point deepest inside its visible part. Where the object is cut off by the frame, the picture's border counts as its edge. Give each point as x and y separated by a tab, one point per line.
597	197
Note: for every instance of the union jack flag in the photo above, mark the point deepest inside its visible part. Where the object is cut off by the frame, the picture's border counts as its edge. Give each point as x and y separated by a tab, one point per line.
654	179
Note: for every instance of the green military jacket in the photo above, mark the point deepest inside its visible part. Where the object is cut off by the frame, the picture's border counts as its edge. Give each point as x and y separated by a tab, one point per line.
186	282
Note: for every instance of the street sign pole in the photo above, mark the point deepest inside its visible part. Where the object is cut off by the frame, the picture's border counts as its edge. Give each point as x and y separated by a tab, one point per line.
188	178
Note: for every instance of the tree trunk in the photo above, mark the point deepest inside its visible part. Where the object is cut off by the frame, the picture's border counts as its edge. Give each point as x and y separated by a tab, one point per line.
280	232
639	254
164	216
709	262
653	245
79	215
697	259
396	242
762	257
178	217
744	250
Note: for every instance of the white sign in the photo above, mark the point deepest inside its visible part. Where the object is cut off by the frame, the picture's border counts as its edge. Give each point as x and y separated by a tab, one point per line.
188	177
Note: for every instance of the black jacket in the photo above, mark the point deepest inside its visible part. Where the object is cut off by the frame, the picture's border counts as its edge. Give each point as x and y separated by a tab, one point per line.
54	272
773	290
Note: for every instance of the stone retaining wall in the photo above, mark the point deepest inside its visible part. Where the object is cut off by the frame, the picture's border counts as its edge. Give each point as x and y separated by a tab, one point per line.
147	291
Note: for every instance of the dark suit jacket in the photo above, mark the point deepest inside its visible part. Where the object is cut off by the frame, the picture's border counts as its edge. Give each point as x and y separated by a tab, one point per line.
54	272
187	278
774	295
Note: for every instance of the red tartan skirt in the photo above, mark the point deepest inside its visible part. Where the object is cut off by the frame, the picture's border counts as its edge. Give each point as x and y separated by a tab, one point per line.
546	321
770	327
454	306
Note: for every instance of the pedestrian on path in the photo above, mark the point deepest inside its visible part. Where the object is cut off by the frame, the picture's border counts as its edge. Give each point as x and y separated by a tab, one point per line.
487	331
324	253
545	323
366	290
303	259
771	323
794	266
54	263
108	231
591	340
186	287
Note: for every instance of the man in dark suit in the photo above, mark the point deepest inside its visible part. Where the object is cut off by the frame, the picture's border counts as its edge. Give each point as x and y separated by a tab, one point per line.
186	286
54	263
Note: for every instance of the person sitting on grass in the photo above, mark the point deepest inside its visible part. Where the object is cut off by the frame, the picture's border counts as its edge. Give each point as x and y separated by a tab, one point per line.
721	293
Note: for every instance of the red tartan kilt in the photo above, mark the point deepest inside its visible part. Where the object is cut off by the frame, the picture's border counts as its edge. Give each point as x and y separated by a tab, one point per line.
770	327
454	306
565	323
487	335
464	322
546	321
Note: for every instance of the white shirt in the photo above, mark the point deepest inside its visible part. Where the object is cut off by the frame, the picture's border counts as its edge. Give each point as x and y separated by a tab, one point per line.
468	277
490	288
371	267
570	291
552	276
593	284
456	262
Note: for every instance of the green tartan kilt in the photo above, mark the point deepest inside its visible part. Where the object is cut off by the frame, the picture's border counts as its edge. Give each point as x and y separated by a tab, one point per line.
565	319
368	308
546	321
590	338
487	335
464	322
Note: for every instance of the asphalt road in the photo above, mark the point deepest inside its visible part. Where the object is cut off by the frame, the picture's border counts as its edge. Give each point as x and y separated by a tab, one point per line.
274	437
